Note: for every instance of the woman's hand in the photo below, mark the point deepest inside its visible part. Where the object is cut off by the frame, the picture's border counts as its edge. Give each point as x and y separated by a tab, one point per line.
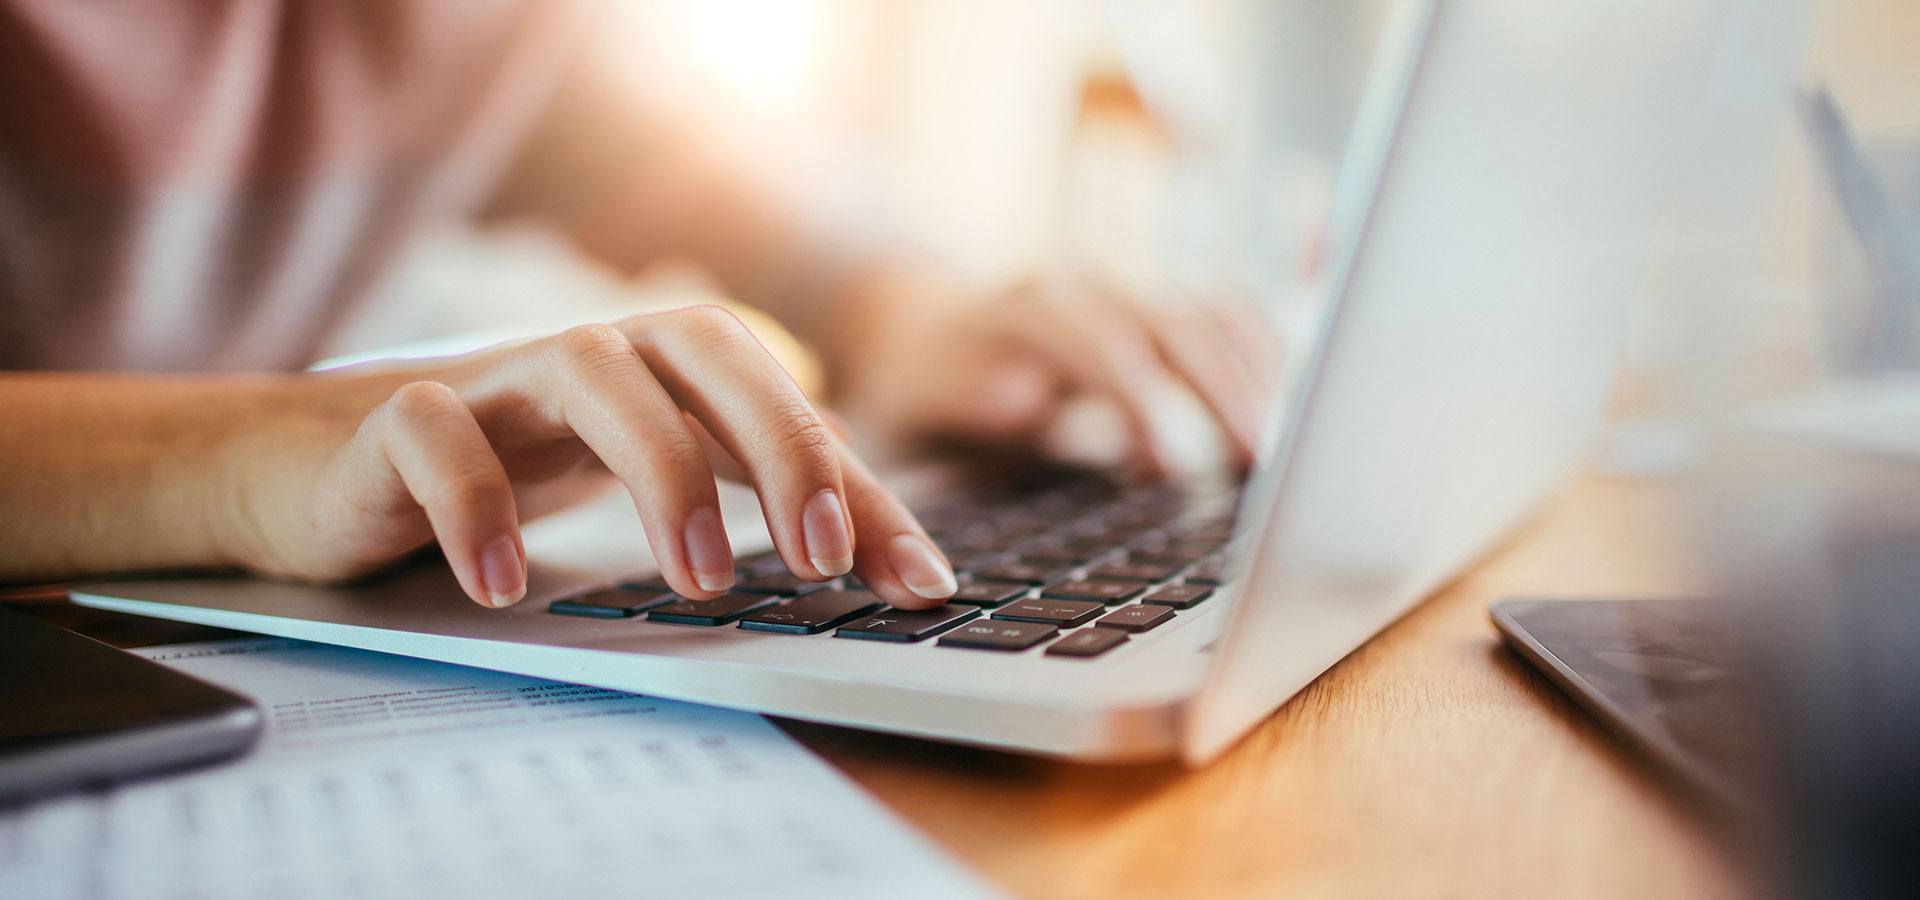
358	470
920	362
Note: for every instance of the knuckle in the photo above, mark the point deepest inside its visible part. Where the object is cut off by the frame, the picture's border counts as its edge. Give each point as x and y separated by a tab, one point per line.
593	347
476	487
679	453
799	433
707	325
423	401
464	484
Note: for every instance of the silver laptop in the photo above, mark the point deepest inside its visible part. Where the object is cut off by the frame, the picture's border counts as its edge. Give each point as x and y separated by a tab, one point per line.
1493	207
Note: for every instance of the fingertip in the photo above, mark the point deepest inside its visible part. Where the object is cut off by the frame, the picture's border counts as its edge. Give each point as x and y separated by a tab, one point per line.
832	568
828	533
709	555
894	558
503	573
699	592
910	601
877	578
900	596
921	568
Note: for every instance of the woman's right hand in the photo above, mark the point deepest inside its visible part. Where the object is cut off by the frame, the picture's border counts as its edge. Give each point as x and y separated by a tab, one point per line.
356	471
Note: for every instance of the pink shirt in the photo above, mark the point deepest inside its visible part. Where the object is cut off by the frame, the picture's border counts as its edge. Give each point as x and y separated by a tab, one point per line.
212	184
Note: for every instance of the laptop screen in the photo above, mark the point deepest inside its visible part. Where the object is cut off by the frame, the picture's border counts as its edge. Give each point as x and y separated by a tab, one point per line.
1497	203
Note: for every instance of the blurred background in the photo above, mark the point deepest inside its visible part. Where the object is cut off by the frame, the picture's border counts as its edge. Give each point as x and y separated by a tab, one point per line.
1766	292
1002	136
997	136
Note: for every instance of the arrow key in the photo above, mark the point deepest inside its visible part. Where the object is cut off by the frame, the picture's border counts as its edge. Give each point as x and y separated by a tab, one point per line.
905	625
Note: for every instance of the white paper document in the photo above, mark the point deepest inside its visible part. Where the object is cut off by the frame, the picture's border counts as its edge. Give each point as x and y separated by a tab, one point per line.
382	776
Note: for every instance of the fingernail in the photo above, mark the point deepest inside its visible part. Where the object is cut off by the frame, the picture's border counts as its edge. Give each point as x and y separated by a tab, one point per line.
502	573
708	554
823	523
920	567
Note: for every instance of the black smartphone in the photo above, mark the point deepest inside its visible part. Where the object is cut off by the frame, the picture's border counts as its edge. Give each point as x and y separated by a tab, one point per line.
75	712
1657	672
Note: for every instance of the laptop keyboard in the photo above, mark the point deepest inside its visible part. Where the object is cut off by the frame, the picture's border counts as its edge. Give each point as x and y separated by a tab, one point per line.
1077	567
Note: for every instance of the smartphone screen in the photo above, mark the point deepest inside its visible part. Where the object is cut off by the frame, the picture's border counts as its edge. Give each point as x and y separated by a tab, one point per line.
1656	671
75	712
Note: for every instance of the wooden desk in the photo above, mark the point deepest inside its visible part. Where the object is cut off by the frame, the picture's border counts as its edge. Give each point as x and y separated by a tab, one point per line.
1431	762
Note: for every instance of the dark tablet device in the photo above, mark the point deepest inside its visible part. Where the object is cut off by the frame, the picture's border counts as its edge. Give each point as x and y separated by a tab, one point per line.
75	712
1655	672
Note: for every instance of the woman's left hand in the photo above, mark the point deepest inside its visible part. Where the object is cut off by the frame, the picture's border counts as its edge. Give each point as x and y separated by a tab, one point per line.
929	364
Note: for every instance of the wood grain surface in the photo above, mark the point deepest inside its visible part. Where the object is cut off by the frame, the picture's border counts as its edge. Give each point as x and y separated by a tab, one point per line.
1431	762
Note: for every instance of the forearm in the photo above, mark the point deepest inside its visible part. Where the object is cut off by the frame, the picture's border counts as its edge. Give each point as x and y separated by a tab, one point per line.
116	473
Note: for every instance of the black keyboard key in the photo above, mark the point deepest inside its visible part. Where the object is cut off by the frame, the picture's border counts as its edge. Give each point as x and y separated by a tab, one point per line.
650	585
1175	552
813	613
614	603
1052	557
971	539
1064	613
1084	528
1096	590
987	634
1134	521
988	594
970	561
1023	573
1053	504
718	611
1137	618
1135	571
903	625
1091	550
1148	539
1014	521
781	584
759	564
1091	642
1179	596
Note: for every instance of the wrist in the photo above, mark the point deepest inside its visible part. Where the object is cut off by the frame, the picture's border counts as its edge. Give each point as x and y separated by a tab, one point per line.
255	468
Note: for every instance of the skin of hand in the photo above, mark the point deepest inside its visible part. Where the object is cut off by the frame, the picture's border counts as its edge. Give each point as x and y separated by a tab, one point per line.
918	361
359	470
